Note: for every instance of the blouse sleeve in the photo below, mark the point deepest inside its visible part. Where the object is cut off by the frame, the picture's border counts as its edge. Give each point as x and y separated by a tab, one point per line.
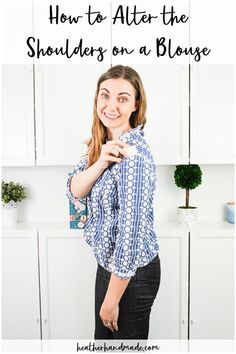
79	167
133	190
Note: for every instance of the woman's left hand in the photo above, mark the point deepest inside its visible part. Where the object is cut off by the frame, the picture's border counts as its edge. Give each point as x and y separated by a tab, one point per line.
109	313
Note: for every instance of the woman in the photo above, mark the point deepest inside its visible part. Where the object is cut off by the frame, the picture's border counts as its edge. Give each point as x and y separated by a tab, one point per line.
118	177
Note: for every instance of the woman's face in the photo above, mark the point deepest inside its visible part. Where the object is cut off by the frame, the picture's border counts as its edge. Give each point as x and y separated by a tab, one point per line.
115	103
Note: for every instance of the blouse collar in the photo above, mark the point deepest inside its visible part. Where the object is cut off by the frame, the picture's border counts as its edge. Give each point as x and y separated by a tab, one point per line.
132	131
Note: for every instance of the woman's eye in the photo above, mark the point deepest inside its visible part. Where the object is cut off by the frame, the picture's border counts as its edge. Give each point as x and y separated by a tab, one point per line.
104	95
120	99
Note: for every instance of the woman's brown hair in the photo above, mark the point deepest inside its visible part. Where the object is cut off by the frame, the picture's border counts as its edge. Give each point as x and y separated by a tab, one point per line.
137	117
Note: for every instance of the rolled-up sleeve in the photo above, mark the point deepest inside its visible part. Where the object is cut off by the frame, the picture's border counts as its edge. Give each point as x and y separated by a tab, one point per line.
133	189
79	167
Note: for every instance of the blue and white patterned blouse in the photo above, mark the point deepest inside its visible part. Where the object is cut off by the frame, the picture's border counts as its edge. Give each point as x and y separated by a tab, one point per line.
120	210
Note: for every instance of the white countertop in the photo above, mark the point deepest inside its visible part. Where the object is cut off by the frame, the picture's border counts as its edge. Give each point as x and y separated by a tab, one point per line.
160	227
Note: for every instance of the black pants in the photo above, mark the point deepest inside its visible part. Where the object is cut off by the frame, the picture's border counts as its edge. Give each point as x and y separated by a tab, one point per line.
135	304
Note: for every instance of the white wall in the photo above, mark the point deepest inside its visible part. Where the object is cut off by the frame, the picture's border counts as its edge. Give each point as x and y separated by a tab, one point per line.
47	200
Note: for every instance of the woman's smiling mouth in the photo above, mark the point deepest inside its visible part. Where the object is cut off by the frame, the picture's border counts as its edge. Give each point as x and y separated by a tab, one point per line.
111	116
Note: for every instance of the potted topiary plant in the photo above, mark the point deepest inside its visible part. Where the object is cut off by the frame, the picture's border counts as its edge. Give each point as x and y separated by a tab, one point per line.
187	177
12	194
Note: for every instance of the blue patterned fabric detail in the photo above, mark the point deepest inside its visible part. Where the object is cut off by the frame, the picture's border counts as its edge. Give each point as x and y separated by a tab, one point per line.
120	210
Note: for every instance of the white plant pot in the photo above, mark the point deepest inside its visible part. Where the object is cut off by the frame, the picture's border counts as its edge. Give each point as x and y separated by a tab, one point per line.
9	214
187	217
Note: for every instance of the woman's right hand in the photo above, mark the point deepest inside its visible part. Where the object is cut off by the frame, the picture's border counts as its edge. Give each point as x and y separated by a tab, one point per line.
111	152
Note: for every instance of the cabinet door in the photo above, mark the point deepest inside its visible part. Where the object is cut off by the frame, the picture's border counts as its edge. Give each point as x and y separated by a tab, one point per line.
212	285
212	82
169	315
17	87
17	115
212	114
67	270
64	107
167	126
20	285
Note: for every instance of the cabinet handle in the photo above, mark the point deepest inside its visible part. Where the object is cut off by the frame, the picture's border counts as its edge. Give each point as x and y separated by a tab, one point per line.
45	320
183	321
37	320
191	321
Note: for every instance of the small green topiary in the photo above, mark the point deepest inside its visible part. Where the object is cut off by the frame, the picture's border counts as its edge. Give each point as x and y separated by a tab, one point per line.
187	177
13	192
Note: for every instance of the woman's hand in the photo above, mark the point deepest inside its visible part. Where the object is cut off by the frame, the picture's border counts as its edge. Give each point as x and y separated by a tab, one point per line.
112	151
109	313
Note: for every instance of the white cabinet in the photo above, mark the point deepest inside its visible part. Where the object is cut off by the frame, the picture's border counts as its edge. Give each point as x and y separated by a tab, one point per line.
64	102
20	285
67	277
167	127
196	294
212	114
17	88
212	83
64	108
169	315
17	115
49	284
212	284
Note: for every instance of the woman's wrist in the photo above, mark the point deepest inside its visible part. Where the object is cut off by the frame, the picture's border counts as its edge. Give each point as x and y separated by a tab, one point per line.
101	164
115	290
111	301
